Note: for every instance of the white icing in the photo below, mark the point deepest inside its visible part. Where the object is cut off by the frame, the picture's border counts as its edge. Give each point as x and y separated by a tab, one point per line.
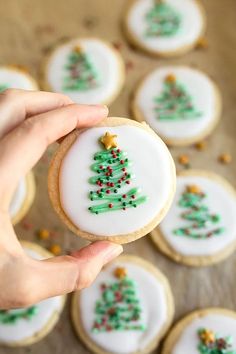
219	201
190	29
221	324
26	328
106	62
198	86
13	78
18	198
153	174
154	314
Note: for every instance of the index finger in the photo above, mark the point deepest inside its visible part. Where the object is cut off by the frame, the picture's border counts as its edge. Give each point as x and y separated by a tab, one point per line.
17	105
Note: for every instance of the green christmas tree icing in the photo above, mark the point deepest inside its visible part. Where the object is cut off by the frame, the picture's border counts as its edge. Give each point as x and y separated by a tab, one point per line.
162	20
113	176
119	308
81	75
174	103
3	87
201	223
211	343
13	316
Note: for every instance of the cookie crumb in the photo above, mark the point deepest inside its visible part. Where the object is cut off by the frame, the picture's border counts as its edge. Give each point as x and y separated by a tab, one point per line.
201	145
225	158
55	249
202	43
43	234
183	160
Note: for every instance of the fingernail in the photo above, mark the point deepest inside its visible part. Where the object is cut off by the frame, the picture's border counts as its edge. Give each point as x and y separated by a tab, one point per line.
103	108
112	252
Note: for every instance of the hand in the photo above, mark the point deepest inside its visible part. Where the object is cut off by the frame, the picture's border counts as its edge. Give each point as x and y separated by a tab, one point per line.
29	122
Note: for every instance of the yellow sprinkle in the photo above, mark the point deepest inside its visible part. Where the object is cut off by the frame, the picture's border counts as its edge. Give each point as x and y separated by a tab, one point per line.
43	234
225	158
201	145
183	159
55	249
120	272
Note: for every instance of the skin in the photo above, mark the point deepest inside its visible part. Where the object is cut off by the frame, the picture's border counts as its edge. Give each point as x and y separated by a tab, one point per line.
29	122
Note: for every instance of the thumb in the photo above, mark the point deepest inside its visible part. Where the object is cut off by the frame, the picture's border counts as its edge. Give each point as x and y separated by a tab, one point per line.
62	275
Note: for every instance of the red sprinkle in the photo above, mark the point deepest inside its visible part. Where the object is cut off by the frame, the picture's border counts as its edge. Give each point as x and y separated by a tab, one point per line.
128	182
122	162
133	196
101	167
124	208
124	196
108	191
110	206
124	169
118	150
112	184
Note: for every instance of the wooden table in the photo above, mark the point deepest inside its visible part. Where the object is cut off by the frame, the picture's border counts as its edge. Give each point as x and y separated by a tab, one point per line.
27	30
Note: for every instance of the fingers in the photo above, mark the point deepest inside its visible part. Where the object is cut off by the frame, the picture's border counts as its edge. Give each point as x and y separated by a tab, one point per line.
22	148
16	105
62	275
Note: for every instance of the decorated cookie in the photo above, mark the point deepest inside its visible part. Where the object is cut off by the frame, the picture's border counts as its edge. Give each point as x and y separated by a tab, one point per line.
210	331
128	309
165	27
200	227
21	327
112	182
88	70
181	104
23	198
16	77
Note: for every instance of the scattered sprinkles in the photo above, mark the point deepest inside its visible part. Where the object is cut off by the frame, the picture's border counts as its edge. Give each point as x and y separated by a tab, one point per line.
43	234
201	145
211	343
55	249
225	158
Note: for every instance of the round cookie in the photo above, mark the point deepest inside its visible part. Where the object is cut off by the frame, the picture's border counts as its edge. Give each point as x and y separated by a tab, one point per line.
21	327
23	198
127	310
114	181
208	331
88	70
182	104
164	27
13	76
200	227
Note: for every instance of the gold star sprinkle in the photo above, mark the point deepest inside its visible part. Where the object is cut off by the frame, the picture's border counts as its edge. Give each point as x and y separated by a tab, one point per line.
170	79
120	272
194	189
108	140
207	337
77	49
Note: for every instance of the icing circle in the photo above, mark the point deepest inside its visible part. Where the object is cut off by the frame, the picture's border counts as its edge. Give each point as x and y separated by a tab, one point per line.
124	208
182	111
205	331
88	70
25	330
166	28
200	227
153	295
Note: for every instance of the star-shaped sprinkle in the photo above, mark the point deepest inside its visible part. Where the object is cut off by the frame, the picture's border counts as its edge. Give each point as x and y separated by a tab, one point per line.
120	272
109	141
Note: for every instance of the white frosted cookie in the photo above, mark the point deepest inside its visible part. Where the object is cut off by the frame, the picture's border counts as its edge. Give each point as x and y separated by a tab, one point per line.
88	70
165	27
209	331
182	104
21	327
23	198
14	77
127	310
114	181
200	227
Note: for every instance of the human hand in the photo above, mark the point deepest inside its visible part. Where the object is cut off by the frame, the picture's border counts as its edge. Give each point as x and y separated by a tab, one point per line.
29	122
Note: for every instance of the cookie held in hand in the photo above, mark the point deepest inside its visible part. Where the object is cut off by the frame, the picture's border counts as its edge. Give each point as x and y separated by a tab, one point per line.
114	181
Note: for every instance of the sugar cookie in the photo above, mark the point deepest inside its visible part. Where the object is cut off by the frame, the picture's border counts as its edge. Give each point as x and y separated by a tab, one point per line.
182	104
112	182
165	27
207	331
128	309
13	76
88	70
200	227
